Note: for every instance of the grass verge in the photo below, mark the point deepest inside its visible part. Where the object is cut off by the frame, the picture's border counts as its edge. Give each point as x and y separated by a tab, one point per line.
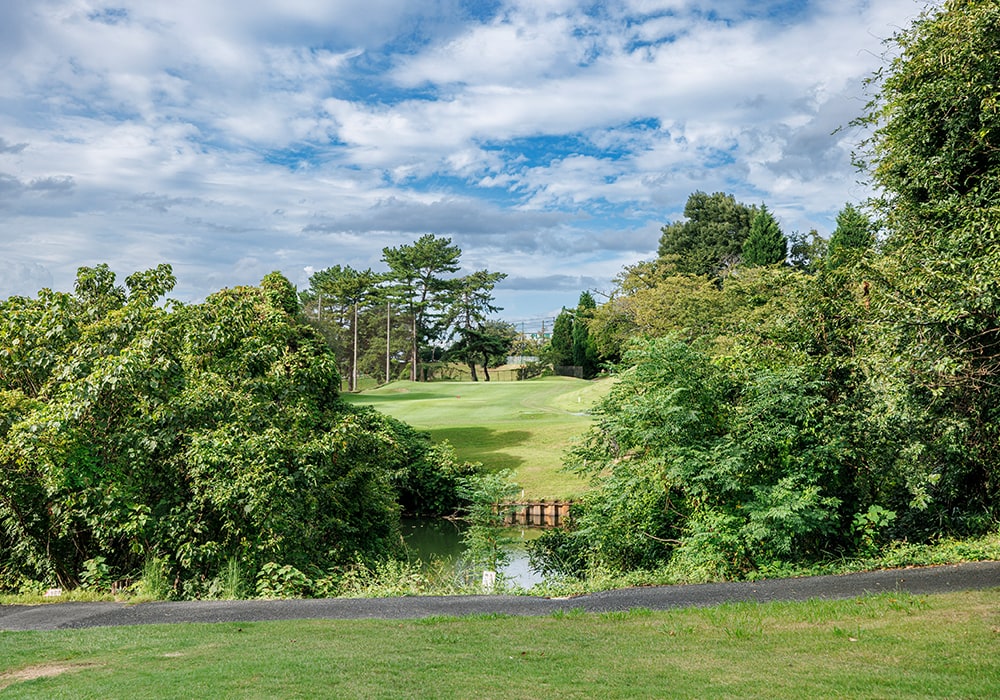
889	645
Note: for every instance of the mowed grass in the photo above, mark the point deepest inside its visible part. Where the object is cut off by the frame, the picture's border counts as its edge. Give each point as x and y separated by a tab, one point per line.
883	646
524	426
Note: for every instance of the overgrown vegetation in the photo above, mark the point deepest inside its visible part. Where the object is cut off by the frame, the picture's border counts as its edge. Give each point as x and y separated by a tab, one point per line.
194	445
782	402
775	415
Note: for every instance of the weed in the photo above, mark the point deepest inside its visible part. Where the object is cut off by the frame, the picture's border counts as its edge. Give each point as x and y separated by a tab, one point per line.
231	582
96	574
153	584
276	581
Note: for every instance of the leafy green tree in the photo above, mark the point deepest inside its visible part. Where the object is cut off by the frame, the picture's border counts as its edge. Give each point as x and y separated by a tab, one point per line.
416	271
934	155
934	151
765	244
807	252
192	435
571	344
483	345
350	291
713	468
472	305
474	301
711	238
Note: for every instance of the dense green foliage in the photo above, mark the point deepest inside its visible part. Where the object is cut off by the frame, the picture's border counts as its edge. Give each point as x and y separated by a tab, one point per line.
560	347
853	236
822	409
765	244
488	345
572	345
192	435
711	239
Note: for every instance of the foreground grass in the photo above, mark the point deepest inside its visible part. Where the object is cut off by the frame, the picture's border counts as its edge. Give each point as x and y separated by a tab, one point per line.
524	426
890	645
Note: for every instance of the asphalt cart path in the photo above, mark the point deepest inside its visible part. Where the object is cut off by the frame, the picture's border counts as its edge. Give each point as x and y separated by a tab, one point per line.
917	580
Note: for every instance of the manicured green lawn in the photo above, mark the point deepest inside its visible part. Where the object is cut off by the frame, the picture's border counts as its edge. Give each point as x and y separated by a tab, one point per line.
525	426
885	646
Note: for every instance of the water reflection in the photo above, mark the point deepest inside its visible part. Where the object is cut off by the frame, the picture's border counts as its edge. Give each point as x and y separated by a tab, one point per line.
428	539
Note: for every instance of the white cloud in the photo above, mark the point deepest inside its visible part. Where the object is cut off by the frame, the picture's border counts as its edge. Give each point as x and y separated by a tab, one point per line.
232	138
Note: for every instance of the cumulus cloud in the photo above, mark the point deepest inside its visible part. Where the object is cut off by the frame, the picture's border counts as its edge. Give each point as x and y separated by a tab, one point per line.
549	138
23	278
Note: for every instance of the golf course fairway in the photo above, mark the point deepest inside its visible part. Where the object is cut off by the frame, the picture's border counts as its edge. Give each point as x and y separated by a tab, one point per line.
524	426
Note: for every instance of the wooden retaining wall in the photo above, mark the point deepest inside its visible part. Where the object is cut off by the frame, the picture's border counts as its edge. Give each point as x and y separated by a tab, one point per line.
537	513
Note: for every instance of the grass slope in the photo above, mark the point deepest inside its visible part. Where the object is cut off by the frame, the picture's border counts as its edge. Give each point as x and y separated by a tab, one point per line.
524	426
883	646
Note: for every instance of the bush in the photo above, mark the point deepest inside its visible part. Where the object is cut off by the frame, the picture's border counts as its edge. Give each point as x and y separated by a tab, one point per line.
198	435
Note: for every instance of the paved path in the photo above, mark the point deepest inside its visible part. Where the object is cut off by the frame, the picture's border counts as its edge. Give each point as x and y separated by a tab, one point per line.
924	580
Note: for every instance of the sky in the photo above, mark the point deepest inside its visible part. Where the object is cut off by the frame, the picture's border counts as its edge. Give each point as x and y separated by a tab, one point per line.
549	139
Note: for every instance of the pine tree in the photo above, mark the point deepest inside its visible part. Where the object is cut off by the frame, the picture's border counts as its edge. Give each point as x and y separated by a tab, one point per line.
584	350
854	233
765	244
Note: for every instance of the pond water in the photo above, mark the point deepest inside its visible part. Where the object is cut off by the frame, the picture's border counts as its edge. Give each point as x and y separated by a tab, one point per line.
428	539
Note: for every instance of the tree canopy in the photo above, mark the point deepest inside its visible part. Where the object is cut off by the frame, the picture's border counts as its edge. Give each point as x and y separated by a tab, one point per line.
190	434
711	238
827	408
765	244
386	324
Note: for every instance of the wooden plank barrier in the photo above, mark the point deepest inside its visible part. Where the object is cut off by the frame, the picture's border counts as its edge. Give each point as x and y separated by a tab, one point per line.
537	513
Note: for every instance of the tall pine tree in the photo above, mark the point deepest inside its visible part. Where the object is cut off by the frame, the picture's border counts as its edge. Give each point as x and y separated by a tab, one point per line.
765	244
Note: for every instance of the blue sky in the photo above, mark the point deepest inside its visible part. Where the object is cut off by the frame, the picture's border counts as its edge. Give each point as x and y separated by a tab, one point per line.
550	139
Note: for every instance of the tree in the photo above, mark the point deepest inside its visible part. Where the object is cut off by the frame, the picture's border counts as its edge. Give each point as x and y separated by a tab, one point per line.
473	298
934	155
560	348
706	468
807	252
853	235
765	244
416	271
483	345
712	237
187	434
584	349
933	152
473	302
348	290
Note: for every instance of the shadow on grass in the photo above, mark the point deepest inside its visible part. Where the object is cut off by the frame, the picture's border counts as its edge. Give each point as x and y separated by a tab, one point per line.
375	399
478	444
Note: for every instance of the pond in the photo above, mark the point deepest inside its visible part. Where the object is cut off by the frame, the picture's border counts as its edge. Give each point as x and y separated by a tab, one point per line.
429	539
